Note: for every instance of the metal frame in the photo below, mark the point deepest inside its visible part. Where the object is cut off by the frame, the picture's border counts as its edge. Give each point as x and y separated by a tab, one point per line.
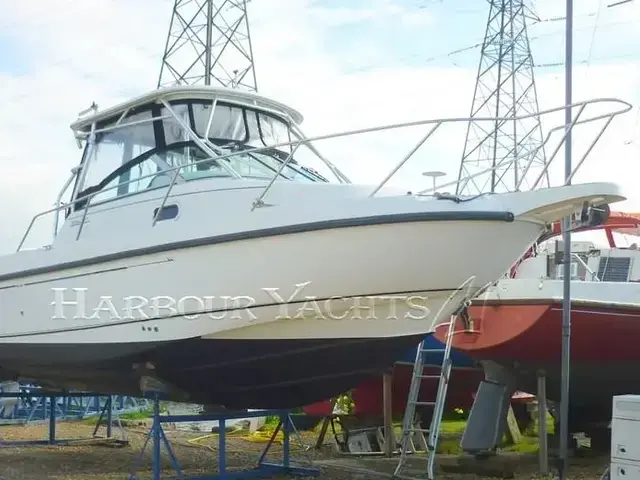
505	87
620	107
75	405
226	58
262	468
568	128
50	398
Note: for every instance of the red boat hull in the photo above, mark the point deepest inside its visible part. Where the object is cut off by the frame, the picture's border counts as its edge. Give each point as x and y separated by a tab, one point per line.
464	382
533	333
527	337
460	394
368	400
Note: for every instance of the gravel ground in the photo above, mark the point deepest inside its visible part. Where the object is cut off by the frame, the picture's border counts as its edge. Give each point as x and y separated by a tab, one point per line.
103	460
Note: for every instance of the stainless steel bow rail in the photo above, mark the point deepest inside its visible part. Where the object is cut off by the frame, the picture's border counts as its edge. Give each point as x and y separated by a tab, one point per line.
617	107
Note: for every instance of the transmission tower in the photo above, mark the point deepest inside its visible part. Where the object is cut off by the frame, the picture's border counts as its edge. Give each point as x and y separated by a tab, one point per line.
505	87
209	42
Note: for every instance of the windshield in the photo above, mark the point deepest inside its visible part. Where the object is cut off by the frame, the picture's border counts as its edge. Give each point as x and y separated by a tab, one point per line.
140	152
242	128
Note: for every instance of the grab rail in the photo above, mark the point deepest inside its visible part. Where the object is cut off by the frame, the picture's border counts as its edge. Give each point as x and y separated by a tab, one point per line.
623	107
581	261
568	127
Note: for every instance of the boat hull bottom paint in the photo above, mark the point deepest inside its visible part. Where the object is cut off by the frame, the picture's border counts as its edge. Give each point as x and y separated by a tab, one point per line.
525	337
463	385
236	374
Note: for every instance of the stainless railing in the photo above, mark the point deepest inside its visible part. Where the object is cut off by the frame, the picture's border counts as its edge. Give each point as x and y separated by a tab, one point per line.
581	261
213	151
625	107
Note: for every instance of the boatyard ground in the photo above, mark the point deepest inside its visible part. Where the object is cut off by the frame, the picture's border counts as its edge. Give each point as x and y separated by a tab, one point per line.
197	453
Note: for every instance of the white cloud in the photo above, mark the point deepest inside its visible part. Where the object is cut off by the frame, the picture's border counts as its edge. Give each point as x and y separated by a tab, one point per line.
108	50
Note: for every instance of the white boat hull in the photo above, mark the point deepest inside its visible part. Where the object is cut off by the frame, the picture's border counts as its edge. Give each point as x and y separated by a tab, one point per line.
384	275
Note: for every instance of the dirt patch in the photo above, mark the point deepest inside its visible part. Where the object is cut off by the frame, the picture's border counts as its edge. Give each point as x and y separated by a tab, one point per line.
96	459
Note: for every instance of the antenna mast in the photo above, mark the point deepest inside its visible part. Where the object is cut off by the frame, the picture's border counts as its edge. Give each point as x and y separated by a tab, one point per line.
209	42
505	87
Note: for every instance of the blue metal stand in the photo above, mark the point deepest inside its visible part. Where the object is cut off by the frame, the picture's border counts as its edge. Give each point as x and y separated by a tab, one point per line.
35	403
262	469
51	407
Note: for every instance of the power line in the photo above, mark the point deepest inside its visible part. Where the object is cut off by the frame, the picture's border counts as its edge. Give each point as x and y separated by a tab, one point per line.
621	2
585	61
452	53
593	34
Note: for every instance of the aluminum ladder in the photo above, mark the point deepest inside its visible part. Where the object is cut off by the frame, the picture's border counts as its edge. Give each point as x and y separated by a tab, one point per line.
409	427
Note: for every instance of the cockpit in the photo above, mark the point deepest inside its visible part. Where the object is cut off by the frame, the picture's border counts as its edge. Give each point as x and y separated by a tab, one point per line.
141	148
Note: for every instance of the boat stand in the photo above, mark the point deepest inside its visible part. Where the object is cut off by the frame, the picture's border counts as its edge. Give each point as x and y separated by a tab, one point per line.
261	470
49	403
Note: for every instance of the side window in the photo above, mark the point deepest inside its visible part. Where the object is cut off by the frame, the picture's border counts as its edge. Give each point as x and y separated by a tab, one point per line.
115	147
104	157
560	271
141	176
173	132
274	131
187	155
248	166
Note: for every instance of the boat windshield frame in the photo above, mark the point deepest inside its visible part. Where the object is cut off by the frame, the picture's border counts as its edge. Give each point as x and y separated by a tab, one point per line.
160	119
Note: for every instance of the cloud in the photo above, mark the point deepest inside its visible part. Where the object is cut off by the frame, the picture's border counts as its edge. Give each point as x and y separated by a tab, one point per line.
343	67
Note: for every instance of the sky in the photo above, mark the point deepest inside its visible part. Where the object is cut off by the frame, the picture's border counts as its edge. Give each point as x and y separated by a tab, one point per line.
344	67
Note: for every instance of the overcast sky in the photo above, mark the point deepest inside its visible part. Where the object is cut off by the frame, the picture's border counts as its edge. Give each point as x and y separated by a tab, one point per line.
375	61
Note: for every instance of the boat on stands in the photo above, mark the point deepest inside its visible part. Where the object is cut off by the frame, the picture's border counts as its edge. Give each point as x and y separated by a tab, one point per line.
200	259
517	324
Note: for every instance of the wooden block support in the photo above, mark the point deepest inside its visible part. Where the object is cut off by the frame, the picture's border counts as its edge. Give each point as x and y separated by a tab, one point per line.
543	453
513	431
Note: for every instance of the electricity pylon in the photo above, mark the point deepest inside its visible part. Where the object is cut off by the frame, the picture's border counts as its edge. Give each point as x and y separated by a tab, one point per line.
209	42
505	87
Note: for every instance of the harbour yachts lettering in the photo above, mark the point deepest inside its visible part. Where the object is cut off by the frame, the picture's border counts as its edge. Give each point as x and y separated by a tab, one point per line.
78	303
138	307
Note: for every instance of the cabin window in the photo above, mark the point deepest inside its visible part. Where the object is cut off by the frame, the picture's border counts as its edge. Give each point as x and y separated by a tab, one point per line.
141	150
235	128
245	165
116	147
173	132
560	271
614	269
150	173
265	130
272	130
227	123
